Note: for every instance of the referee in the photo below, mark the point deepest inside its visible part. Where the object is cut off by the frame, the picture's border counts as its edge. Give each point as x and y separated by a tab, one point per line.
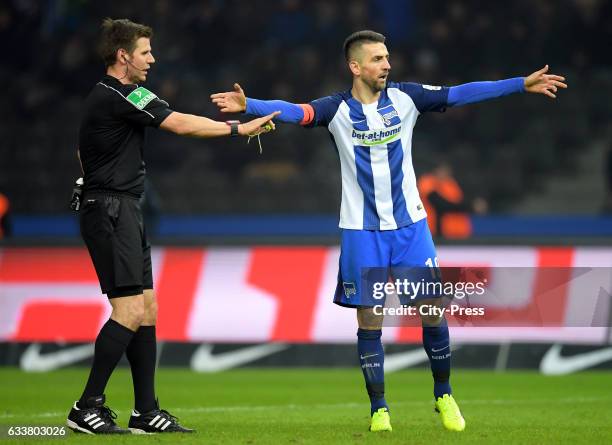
111	143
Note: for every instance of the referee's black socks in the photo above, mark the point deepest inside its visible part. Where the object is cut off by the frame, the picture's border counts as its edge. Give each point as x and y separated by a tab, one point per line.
142	355
111	342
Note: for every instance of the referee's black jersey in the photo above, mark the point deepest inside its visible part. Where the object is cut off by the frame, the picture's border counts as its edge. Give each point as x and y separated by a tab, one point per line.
112	135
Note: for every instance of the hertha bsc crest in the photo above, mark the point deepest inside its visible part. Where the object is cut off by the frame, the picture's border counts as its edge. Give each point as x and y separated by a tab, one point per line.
349	289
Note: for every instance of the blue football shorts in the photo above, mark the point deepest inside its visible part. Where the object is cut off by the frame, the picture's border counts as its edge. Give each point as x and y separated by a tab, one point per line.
381	256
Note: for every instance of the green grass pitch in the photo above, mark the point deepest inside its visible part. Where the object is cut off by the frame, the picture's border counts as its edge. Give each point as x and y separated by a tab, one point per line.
282	406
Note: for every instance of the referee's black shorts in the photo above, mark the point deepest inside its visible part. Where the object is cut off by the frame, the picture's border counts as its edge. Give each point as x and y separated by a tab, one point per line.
113	230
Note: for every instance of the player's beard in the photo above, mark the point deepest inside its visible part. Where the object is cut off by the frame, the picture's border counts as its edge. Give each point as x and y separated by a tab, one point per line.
376	85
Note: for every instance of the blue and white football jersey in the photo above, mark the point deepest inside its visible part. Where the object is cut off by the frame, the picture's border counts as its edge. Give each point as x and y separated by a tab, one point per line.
374	142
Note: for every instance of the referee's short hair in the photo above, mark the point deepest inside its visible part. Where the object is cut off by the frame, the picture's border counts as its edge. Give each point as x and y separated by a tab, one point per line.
117	34
358	38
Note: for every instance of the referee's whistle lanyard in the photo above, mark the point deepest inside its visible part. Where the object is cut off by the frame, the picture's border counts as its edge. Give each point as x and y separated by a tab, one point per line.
258	141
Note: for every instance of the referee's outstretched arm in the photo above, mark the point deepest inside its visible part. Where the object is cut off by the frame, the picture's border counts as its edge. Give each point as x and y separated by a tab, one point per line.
202	127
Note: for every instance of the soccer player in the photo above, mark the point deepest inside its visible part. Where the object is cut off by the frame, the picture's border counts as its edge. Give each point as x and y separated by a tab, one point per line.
111	143
382	217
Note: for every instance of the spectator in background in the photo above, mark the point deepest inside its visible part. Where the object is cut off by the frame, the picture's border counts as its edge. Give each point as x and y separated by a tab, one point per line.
5	227
446	206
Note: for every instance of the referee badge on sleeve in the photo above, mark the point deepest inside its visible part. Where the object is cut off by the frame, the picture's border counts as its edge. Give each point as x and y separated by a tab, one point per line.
140	97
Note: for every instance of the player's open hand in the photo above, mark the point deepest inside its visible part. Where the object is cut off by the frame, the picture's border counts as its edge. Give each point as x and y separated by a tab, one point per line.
258	126
230	101
542	83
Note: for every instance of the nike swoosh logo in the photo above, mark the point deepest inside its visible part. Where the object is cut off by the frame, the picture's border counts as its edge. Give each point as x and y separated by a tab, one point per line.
402	360
203	359
438	350
553	363
363	357
32	360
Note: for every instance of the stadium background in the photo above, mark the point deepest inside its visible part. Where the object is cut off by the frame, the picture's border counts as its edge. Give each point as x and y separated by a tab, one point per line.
246	245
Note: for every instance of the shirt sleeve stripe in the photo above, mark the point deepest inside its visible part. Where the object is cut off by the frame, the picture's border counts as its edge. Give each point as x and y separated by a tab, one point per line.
130	102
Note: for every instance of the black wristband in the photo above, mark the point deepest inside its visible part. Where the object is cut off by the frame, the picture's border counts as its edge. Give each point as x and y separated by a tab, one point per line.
234	128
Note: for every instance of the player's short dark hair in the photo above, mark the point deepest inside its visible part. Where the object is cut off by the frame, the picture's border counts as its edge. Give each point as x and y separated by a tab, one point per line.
358	38
117	34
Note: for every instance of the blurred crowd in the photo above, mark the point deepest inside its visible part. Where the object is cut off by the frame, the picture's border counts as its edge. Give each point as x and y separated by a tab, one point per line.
292	49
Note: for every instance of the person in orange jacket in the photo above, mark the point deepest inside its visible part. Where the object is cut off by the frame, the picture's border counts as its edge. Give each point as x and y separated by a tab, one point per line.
447	209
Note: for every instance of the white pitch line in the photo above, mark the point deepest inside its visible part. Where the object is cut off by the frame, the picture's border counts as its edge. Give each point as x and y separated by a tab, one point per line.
215	409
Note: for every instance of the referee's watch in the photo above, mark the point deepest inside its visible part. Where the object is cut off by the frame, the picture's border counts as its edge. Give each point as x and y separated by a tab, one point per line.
234	128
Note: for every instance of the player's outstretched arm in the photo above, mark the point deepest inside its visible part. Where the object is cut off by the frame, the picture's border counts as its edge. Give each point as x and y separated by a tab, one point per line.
237	102
538	82
202	127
